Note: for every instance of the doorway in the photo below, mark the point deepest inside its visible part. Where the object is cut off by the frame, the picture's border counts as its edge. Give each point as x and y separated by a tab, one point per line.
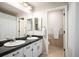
56	33
21	27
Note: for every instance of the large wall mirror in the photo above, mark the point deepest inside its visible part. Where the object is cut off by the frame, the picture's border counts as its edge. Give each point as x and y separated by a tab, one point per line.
8	26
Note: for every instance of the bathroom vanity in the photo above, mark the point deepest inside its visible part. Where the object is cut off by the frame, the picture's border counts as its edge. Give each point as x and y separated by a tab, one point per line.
31	48
20	27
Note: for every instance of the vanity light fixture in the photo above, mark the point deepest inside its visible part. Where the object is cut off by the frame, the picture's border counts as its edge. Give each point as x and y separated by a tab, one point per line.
27	6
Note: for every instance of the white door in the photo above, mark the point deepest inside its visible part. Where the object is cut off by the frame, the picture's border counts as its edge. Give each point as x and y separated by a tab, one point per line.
22	27
65	28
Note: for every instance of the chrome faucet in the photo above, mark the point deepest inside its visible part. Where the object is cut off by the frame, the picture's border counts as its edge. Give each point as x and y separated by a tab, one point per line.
30	34
11	39
14	39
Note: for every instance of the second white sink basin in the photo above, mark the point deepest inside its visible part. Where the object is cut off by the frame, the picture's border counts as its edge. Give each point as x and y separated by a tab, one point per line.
32	38
14	43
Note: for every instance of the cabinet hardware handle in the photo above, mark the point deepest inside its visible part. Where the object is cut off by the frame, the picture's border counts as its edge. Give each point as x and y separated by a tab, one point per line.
24	55
64	31
15	53
28	47
32	49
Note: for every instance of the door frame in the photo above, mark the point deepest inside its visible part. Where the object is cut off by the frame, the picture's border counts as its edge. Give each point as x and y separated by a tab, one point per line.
65	41
18	25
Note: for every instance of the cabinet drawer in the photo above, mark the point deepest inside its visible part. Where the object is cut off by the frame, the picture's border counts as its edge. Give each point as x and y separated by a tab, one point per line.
18	53
37	48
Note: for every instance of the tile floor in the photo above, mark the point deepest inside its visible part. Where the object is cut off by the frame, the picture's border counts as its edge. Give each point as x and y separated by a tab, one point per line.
54	52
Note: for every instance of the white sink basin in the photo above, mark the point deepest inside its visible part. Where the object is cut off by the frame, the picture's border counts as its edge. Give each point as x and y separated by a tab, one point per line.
14	43
32	38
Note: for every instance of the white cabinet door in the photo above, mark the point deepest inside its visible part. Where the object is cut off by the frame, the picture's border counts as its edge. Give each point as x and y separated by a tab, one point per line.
35	49
39	47
28	51
18	53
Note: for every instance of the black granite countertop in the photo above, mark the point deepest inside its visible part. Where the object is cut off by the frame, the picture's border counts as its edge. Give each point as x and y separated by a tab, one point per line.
6	50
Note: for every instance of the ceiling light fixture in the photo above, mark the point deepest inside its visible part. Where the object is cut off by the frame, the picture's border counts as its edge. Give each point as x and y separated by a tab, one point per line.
25	4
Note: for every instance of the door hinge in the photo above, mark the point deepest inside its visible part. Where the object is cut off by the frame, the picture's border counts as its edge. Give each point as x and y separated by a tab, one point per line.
64	31
64	14
64	49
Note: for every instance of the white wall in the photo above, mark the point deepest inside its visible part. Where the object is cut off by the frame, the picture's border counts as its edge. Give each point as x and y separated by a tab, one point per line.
77	30
55	23
8	26
72	29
